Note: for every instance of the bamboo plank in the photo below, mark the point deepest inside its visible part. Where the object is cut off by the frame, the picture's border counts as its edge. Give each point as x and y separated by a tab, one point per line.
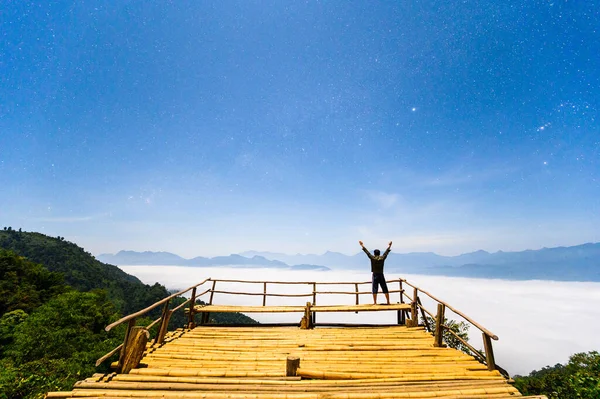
281	389
389	393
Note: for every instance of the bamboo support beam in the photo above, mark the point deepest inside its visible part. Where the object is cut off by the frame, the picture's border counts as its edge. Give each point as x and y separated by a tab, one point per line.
163	325
130	325
423	315
191	323
423	308
489	352
212	292
439	321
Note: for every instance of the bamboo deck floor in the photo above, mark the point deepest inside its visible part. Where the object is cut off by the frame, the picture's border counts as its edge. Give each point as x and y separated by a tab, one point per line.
338	363
299	309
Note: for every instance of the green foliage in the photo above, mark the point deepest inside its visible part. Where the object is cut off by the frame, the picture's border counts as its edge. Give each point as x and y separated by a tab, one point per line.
64	327
25	285
58	344
81	270
32	380
459	328
578	379
8	324
50	334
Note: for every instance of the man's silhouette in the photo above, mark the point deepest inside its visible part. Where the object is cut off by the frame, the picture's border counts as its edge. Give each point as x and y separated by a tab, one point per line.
377	262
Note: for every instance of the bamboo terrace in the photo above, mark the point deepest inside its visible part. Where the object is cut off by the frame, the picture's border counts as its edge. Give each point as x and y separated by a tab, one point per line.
307	360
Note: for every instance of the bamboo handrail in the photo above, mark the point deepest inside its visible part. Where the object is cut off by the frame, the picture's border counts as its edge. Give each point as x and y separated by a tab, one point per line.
465	343
260	294
205	292
263	294
415	302
352	292
297	295
480	327
149	326
426	311
298	282
109	354
149	308
180	306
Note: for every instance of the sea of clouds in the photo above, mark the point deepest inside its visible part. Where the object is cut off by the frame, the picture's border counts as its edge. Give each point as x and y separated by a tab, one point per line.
538	323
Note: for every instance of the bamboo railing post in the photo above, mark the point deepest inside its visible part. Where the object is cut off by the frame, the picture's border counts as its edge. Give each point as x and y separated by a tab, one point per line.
265	293
130	325
401	291
306	322
136	346
489	352
204	318
206	315
163	317
291	365
314	302
164	327
356	289
414	316
439	325
212	292
464	316
401	313
191	323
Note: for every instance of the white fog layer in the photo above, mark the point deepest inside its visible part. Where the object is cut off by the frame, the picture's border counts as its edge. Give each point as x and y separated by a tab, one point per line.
538	323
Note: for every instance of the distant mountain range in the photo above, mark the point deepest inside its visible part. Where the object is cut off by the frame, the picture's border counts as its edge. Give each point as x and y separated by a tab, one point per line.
170	259
576	263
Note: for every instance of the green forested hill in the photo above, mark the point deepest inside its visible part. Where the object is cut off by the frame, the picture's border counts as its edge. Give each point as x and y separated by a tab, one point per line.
55	300
84	273
81	270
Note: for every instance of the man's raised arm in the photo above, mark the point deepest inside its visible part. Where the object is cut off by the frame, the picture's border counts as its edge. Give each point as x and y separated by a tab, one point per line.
387	251
365	250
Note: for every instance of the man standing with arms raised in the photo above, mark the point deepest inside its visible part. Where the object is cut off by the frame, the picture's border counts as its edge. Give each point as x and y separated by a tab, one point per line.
377	262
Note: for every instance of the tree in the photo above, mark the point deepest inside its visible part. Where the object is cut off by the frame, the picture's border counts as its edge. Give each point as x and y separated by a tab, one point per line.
57	344
25	285
459	328
578	379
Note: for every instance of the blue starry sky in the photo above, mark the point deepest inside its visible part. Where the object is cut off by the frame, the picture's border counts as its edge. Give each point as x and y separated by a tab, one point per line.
208	128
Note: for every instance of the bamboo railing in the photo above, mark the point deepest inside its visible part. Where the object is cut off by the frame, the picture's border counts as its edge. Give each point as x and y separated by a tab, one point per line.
487	357
404	316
